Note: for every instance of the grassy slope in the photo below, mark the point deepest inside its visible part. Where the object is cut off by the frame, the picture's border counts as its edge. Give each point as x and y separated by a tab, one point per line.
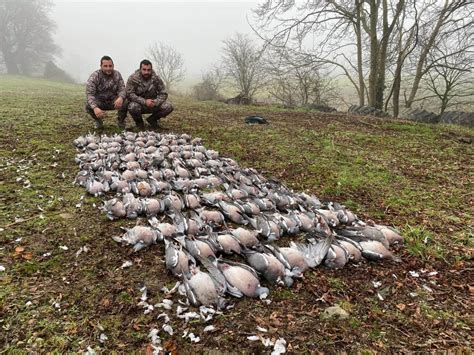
414	176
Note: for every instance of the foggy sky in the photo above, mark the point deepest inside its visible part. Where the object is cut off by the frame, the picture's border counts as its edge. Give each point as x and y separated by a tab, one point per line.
86	30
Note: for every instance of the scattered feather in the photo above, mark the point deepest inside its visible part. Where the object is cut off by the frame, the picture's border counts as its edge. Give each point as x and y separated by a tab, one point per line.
209	328
189	315
166	304
126	264
377	284
173	290
193	338
155	341
165	317
279	347
427	288
83	249
90	351
103	338
168	329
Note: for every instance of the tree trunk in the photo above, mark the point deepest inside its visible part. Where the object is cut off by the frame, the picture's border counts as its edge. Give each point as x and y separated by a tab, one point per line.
397	76
360	69
396	86
384	42
420	70
374	46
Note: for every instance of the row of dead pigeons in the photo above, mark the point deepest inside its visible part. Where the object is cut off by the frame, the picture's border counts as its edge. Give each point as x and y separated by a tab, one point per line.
210	212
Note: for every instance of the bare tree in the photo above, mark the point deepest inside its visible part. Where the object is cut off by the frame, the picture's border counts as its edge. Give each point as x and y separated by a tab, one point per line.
451	79
440	23
365	40
241	61
340	29
211	82
26	30
168	63
404	43
295	82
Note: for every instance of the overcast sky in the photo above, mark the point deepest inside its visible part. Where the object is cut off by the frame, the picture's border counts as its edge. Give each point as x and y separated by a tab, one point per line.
86	30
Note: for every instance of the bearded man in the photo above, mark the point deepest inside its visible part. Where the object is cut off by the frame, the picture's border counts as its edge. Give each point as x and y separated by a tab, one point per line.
146	95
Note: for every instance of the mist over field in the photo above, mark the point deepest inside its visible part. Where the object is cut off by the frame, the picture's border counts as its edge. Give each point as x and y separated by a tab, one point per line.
398	57
86	30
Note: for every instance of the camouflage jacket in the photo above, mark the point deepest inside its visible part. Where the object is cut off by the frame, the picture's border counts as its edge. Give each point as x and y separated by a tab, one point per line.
101	87
138	89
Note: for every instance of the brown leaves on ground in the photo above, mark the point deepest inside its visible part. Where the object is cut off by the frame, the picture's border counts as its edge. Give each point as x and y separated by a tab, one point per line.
394	172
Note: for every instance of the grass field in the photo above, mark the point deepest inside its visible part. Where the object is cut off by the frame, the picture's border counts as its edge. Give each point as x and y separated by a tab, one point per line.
416	177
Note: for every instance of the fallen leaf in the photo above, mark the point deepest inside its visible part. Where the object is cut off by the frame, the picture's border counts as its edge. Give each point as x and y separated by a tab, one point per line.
149	350
105	302
27	256
170	346
401	306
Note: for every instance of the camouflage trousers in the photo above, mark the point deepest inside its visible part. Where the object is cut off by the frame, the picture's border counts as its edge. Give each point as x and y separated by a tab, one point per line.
136	109
109	106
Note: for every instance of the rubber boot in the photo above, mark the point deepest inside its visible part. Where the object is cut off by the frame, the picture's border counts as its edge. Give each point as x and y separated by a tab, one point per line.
154	121
99	124
121	116
139	121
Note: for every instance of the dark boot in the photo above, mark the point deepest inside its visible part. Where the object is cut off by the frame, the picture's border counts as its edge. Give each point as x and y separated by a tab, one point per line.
99	124
139	121
121	116
154	121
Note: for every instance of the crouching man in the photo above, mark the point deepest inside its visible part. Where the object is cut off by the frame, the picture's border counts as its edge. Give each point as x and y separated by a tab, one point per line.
105	90
146	94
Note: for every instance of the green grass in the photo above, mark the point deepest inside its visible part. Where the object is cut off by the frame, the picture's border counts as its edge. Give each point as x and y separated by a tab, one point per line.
421	243
414	176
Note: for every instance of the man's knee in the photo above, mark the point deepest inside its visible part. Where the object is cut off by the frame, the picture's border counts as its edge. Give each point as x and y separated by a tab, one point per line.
134	108
165	109
90	110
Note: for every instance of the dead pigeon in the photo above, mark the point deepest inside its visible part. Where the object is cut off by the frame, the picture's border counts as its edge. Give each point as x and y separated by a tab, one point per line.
139	236
115	209
200	288
242	280
374	250
96	188
269	266
176	260
336	257
245	237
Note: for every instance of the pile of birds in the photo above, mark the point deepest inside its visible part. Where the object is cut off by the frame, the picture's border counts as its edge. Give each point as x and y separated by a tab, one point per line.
223	227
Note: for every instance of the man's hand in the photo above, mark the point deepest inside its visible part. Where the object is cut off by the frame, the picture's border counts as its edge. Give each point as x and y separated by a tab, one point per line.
150	103
99	113
118	103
